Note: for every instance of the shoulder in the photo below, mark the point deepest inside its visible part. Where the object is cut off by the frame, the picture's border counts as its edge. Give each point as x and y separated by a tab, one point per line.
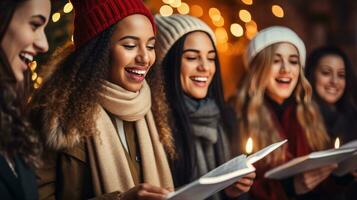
55	138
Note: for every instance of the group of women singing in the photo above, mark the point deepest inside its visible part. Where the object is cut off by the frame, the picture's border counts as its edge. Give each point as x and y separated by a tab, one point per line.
104	125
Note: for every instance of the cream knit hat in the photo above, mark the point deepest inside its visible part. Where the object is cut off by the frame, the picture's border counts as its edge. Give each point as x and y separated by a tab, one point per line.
272	35
172	28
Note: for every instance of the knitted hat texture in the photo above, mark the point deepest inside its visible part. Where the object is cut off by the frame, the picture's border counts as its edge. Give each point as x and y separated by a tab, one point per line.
94	16
272	35
172	28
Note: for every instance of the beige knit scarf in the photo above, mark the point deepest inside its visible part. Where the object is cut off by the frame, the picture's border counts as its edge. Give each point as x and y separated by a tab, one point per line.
109	166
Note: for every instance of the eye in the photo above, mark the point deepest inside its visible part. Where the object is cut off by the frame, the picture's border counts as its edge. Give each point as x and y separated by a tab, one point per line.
35	25
325	72
212	59
276	60
150	47
294	62
191	58
129	46
341	75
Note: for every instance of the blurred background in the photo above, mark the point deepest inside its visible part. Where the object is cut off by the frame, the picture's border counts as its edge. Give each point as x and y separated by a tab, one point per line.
235	22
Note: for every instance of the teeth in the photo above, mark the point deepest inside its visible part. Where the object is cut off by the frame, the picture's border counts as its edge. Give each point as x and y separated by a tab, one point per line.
331	90
26	57
202	79
284	79
140	72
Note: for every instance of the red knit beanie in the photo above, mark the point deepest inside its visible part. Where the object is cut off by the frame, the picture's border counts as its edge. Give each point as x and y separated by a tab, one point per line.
94	16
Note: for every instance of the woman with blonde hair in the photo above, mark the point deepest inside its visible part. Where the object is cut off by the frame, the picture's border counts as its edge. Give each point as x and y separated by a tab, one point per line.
274	103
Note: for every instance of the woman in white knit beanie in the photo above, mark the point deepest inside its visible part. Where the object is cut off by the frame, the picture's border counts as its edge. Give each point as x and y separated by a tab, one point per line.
274	103
188	101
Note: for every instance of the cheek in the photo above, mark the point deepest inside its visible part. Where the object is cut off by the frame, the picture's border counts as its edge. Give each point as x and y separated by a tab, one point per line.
343	85
152	57
213	69
117	62
184	76
119	57
321	80
23	37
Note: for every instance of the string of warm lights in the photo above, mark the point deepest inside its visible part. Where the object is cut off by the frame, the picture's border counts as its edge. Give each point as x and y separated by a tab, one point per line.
169	7
67	8
249	29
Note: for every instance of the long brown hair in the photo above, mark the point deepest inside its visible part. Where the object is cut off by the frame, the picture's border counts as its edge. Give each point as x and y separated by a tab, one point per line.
16	134
252	111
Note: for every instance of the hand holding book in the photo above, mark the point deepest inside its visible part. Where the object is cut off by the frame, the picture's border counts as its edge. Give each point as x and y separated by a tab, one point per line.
308	180
223	176
241	186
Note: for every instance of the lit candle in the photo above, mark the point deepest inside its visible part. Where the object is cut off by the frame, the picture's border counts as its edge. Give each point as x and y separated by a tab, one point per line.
337	143
249	146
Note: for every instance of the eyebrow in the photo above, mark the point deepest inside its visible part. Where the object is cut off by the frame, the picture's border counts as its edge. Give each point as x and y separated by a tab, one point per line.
134	38
197	51
43	19
294	55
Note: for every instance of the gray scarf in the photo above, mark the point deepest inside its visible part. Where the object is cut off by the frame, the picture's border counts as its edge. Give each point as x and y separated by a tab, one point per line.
210	140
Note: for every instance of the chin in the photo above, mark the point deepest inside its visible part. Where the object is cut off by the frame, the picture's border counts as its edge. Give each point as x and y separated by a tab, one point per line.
134	88
19	76
199	96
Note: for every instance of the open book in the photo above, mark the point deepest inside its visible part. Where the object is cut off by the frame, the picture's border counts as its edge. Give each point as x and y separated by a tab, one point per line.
350	164
308	162
222	176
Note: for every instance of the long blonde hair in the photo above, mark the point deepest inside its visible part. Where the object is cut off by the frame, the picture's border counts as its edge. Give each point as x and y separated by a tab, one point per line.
254	116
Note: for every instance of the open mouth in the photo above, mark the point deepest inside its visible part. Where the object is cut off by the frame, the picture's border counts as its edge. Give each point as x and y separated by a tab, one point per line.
26	57
332	90
136	72
200	79
283	80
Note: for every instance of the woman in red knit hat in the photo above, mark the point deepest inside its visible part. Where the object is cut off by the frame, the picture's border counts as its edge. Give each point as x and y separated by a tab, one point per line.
94	109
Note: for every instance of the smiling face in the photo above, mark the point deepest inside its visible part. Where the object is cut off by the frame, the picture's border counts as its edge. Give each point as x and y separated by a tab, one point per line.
132	52
284	73
197	65
330	81
25	36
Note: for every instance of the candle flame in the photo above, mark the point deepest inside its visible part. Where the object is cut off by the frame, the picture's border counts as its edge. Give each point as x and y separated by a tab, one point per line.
337	143
249	146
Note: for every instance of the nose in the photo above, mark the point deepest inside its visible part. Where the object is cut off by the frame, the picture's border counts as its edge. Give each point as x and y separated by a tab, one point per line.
41	43
203	64
334	78
143	56
284	68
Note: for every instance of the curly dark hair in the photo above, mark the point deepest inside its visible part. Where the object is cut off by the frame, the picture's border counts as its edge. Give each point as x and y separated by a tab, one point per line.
17	135
72	84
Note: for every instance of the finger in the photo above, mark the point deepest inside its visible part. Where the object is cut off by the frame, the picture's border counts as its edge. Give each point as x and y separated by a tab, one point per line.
170	189
244	182
153	189
316	180
250	176
242	188
145	195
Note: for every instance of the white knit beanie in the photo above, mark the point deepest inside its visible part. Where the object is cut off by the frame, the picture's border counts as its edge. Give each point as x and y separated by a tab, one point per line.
172	28
272	35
